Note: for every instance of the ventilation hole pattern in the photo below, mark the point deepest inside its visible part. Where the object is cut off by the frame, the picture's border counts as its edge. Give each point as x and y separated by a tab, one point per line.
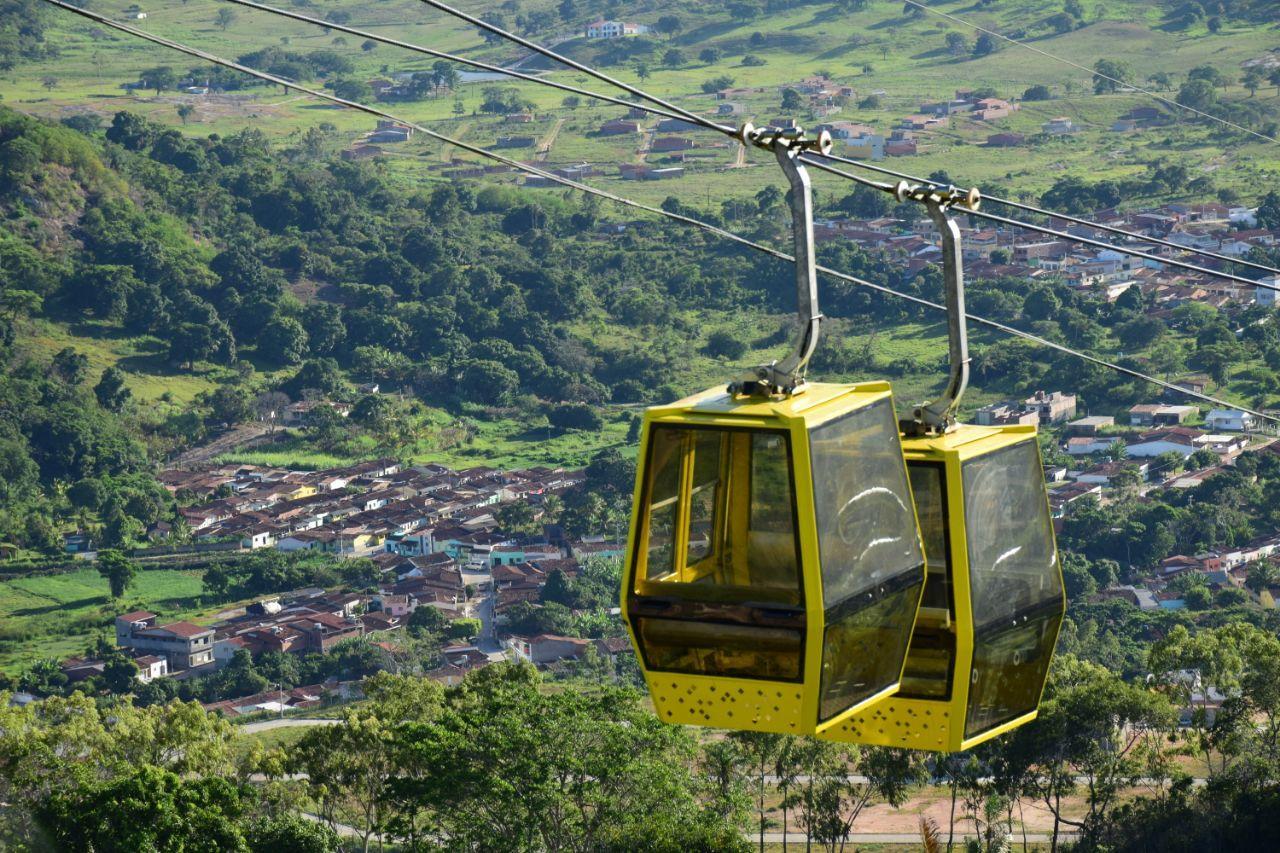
770	707
897	725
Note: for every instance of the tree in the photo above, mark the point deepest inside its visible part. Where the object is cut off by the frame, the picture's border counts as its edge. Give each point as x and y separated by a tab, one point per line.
350	89
1037	93
1094	727
1109	75
49	82
1269	211
571	102
225	18
185	111
669	25
711	55
159	78
1253	79
118	570
642	71
283	341
957	44
984	45
791	100
1197	94
490	383
111	392
70	366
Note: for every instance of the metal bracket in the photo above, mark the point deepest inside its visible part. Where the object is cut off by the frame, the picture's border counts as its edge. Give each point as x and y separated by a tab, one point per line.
939	415
787	377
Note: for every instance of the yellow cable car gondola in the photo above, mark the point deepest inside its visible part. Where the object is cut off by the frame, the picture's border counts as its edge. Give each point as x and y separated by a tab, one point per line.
775	564
774	569
993	599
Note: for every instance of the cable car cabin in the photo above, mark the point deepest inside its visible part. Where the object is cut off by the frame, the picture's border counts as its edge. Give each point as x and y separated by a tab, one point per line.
775	565
993	598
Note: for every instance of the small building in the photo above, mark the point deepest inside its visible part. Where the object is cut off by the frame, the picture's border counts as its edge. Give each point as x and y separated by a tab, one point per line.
614	29
619	127
1089	426
1230	420
672	143
1005	414
1059	126
515	142
1054	407
1005	140
1088	445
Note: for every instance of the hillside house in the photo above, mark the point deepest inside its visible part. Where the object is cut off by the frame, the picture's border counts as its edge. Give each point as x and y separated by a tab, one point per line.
1230	420
603	29
1060	126
672	143
184	645
1005	140
619	127
1082	445
1005	414
1053	407
1089	426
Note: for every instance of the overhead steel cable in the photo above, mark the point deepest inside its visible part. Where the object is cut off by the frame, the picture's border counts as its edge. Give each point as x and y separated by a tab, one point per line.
1077	65
1030	208
573	63
1052	232
439	54
692	117
622	200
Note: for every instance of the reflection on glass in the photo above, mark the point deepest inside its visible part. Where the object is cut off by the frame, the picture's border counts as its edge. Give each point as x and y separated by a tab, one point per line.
931	510
862	650
1012	562
719	555
711	648
1009	669
866	526
1016	585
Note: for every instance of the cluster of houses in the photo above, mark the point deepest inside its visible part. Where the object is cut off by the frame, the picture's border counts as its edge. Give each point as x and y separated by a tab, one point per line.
356	510
991	252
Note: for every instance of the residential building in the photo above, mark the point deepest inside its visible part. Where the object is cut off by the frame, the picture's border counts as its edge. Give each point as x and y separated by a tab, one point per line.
1053	407
619	127
1230	420
1088	445
185	645
1058	126
1265	293
1090	425
1005	140
1004	414
614	29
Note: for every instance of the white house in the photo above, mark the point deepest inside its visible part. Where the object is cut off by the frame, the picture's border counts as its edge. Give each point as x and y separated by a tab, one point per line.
1176	440
1264	294
1085	445
1230	420
614	29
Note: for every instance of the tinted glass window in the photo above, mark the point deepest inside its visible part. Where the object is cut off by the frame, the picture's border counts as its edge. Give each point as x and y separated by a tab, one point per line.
734	529
1017	588
1013	566
1009	669
714	648
717	583
929	493
866	525
862	648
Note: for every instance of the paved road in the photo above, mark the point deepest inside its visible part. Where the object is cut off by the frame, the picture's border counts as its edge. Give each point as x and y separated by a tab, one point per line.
286	723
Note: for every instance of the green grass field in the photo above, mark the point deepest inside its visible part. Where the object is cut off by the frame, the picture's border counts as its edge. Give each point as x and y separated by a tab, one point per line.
58	615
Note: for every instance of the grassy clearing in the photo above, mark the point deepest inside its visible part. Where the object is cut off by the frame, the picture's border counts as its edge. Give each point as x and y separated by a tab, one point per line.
58	615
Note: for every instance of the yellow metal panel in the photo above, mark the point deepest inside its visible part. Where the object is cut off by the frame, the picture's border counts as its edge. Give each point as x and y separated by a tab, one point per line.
728	703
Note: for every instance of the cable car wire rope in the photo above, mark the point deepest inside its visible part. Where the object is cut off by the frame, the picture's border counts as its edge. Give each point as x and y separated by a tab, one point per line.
1077	65
474	63
1063	235
1029	208
730	131
688	220
686	115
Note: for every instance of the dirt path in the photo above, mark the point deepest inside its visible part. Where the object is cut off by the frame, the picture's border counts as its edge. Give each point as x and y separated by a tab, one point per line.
241	435
544	147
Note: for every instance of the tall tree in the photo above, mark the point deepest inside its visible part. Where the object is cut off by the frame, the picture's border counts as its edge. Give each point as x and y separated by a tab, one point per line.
118	570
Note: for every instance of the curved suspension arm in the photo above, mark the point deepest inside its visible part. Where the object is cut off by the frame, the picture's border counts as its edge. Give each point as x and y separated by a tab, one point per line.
940	415
788	375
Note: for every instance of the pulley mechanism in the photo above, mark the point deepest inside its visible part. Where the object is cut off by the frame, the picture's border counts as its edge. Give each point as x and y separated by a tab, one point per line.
787	377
